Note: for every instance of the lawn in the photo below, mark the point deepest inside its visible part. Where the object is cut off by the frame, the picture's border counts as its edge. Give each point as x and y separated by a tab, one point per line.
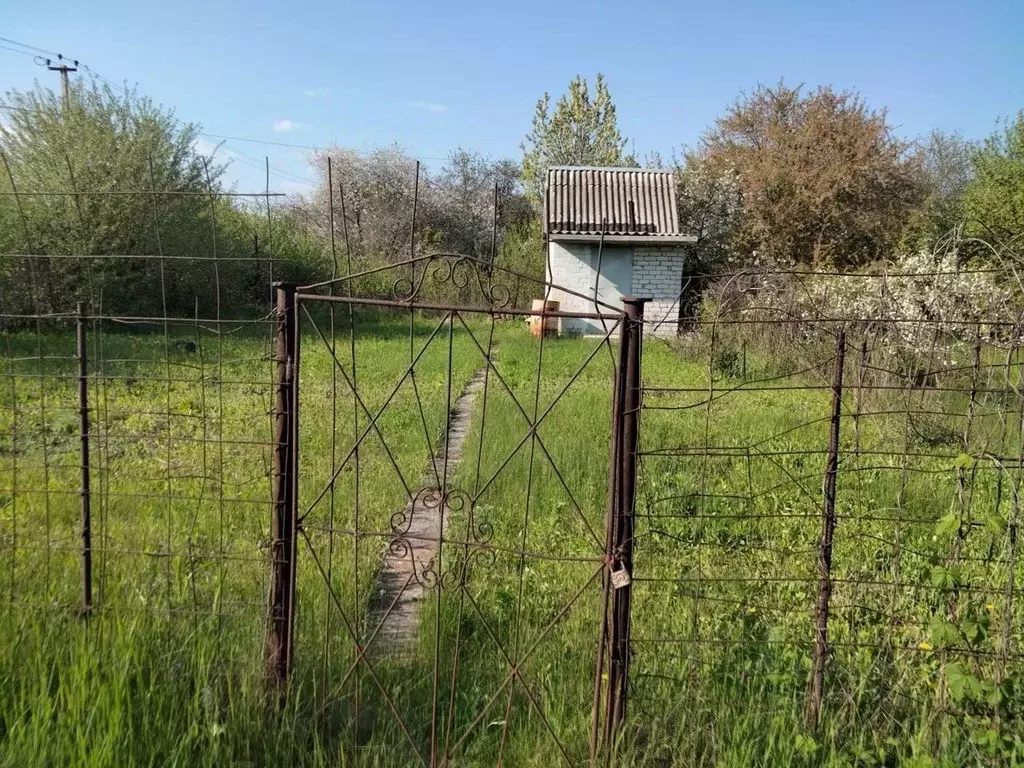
169	669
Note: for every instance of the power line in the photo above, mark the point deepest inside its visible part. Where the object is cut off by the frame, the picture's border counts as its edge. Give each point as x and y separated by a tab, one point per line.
112	84
30	47
257	163
276	170
239	154
64	69
60	58
65	81
299	146
261	141
15	50
106	80
61	65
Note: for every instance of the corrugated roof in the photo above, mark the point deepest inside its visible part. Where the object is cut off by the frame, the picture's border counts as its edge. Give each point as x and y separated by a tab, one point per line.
619	201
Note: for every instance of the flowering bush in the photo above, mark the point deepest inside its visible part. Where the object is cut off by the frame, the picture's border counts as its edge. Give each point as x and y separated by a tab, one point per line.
923	303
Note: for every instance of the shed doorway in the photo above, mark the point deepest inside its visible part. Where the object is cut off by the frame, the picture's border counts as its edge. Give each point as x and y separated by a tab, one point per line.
612	268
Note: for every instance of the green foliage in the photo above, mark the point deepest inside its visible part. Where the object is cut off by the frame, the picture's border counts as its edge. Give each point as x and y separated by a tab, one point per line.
582	130
946	166
994	200
710	205
725	558
522	251
99	160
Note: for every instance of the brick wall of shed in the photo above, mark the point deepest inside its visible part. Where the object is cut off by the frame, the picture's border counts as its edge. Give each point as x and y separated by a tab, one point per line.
574	266
658	275
569	266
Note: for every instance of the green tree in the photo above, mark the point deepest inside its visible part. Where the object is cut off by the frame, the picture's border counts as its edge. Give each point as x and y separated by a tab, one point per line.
710	207
994	200
100	146
582	130
111	175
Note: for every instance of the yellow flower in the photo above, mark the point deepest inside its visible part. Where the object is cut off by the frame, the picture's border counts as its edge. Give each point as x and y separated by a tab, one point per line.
924	645
990	607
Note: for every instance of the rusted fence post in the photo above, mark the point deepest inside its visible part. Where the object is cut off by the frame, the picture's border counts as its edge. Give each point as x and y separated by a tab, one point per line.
284	489
85	490
828	527
624	488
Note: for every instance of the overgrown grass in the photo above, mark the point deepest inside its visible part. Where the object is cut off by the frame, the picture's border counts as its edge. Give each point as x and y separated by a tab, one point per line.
169	670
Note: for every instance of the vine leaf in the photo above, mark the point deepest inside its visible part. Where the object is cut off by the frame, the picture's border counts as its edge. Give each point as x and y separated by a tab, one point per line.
965	461
943	633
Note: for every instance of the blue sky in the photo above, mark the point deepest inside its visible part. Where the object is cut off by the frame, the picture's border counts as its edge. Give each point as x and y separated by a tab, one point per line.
435	76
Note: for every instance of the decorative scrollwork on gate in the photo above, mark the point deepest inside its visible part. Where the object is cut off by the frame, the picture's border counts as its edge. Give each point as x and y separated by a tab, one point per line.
419	537
457	270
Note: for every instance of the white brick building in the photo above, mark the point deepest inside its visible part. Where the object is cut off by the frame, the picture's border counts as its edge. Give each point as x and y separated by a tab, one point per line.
616	231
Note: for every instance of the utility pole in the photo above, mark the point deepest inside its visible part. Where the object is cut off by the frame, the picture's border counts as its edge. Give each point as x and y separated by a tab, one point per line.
65	82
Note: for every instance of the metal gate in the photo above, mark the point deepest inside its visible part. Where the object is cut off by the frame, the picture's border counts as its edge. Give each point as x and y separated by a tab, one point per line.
450	577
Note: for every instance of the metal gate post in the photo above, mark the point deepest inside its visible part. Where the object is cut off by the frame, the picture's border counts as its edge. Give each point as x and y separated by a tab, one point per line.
624	488
284	526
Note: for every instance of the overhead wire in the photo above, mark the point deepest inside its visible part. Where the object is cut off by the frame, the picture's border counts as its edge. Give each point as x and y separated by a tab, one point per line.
274	169
239	154
15	50
301	146
31	47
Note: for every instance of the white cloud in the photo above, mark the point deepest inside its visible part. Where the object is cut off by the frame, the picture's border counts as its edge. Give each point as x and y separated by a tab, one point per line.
318	93
428	106
285	125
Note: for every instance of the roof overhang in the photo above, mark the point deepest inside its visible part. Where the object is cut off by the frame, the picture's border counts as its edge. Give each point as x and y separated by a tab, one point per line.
646	240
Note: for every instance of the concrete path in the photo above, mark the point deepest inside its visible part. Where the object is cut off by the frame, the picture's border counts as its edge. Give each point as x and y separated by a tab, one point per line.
409	565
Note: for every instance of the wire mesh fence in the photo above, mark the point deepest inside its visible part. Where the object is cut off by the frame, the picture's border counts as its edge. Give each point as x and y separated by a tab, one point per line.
135	437
828	471
828	510
149	438
173	456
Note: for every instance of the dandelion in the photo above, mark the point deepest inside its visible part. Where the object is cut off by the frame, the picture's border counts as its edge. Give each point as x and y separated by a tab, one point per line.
924	645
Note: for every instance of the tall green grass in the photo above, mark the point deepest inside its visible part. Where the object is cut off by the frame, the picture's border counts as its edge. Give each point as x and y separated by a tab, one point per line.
169	670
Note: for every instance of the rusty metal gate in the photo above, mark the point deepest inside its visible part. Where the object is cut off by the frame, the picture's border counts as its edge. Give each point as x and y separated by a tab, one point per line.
443	586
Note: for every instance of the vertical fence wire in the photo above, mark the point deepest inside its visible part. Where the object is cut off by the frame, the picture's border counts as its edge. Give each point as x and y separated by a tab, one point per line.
350	290
14	438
